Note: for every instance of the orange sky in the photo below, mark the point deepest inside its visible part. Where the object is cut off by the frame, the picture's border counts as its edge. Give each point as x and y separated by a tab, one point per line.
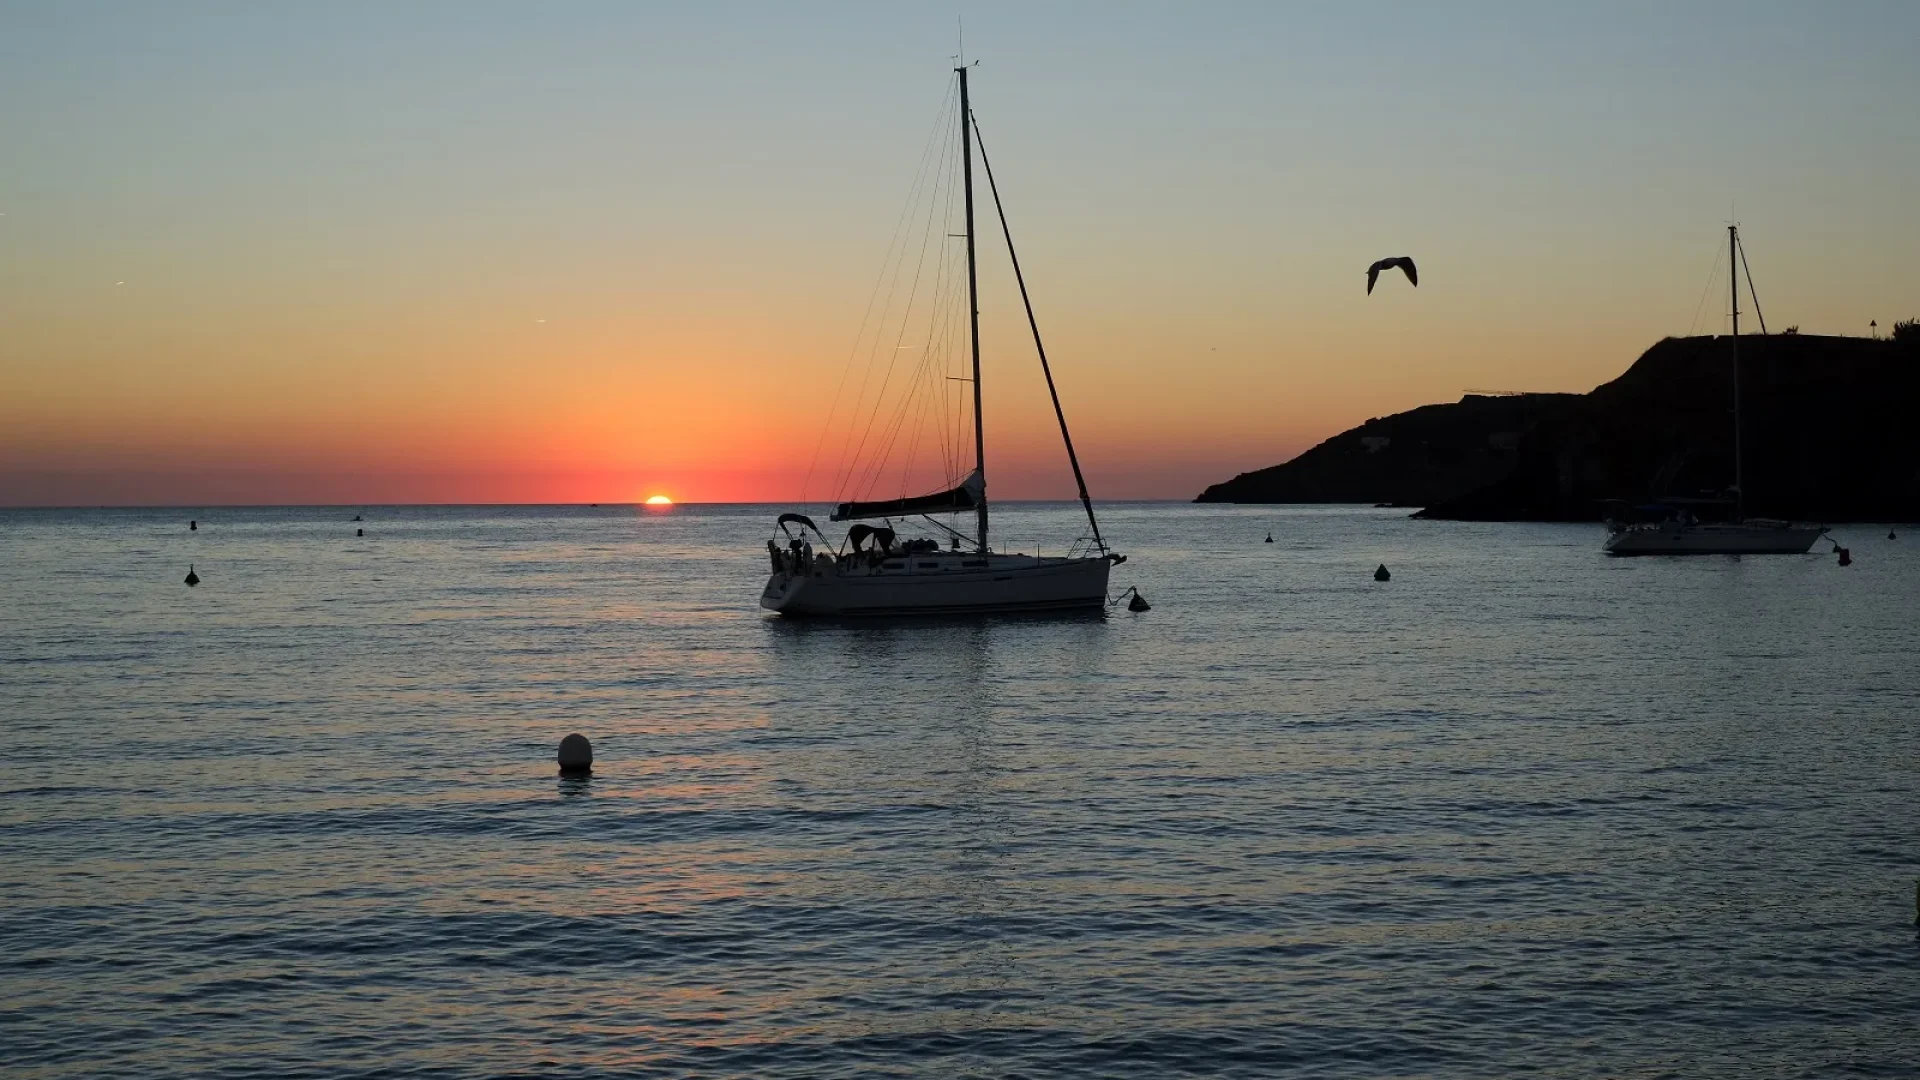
334	257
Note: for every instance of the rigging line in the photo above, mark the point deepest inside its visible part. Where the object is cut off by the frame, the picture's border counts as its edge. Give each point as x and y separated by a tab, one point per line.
915	399
1713	275
851	460
929	396
941	336
948	529
913	443
938	351
916	392
889	273
854	349
961	371
909	401
954	376
890	432
852	475
942	309
871	477
926	379
1045	368
913	291
1741	243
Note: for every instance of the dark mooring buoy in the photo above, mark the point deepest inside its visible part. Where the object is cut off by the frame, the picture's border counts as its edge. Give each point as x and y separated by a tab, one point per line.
359	532
192	578
1381	573
1269	538
1138	603
1891	535
1846	557
576	756
194	526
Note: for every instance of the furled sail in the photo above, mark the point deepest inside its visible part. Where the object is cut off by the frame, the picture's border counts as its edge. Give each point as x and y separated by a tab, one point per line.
967	496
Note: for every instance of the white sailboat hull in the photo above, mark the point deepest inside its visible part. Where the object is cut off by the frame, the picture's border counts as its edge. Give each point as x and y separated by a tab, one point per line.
939	583
1743	538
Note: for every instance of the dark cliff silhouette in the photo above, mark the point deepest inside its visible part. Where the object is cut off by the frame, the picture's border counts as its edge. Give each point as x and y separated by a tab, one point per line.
1830	434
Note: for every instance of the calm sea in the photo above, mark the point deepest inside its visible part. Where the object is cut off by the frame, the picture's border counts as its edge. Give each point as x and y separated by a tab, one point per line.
1522	810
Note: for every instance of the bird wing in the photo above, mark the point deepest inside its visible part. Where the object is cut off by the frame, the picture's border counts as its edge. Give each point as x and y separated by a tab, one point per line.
1406	263
1373	272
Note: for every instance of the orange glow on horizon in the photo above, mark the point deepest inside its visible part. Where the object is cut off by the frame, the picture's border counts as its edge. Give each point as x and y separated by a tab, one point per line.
511	319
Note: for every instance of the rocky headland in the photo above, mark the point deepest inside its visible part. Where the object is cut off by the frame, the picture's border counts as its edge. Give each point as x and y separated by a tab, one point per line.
1830	429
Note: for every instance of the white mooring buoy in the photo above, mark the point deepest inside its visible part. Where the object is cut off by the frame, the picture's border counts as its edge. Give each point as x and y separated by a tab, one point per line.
576	756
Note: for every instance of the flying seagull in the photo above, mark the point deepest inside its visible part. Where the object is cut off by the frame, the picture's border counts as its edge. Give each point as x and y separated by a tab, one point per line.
1404	262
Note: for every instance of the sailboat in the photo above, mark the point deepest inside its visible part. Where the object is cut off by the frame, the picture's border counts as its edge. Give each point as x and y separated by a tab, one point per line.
874	572
1681	533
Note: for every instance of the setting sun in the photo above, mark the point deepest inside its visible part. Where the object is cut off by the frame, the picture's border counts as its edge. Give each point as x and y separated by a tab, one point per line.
659	500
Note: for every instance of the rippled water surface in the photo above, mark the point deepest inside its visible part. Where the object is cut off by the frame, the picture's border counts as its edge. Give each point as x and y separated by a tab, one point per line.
1522	810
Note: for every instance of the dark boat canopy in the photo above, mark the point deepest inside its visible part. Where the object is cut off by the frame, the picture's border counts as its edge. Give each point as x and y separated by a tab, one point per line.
965	497
797	519
882	538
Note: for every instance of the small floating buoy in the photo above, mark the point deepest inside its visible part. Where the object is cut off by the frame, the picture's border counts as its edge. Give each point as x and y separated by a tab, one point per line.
194	526
576	756
1138	603
359	532
356	517
1269	538
192	578
1381	574
1891	536
1846	557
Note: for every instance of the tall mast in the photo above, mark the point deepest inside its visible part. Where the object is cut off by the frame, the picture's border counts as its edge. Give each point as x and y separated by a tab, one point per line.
1733	279
1045	368
973	308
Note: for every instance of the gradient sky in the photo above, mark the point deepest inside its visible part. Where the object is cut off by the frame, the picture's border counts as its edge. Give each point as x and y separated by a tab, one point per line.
301	253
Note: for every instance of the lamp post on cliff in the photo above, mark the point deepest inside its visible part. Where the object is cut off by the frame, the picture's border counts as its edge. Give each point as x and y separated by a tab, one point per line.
1873	328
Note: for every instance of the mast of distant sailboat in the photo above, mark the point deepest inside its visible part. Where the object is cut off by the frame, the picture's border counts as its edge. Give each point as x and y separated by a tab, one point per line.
1733	276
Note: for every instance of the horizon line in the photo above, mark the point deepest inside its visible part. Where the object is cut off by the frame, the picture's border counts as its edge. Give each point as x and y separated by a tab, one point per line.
1071	501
